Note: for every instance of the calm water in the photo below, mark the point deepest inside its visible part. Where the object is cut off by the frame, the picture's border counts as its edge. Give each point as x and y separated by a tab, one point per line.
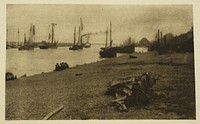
37	61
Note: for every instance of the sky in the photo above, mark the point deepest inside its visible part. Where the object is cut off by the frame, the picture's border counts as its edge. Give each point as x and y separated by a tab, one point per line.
135	21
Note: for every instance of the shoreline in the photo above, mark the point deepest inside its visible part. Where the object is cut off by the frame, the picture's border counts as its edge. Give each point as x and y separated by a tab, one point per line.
81	89
36	67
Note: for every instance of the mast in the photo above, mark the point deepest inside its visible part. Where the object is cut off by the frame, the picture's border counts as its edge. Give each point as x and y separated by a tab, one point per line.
33	33
18	35
161	40
13	35
24	38
158	37
30	40
79	35
52	34
7	35
49	34
130	40
106	37
75	35
81	28
52	38
110	34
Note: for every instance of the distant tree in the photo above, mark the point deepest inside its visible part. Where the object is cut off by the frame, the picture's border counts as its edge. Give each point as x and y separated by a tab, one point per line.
144	42
129	41
181	43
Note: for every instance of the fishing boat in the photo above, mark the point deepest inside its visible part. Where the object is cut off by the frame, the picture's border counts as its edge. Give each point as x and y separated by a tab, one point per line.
16	44
79	44
52	44
108	52
87	44
8	46
12	44
44	45
29	45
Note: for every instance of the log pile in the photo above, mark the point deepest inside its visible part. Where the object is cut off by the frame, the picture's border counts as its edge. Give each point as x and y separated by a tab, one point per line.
131	92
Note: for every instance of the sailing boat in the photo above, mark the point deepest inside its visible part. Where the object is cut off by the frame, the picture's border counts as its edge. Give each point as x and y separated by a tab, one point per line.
7	43
16	44
29	45
44	44
53	41
51	36
87	43
108	52
79	45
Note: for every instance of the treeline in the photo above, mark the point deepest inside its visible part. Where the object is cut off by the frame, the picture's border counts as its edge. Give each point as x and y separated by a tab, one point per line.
128	42
144	42
182	43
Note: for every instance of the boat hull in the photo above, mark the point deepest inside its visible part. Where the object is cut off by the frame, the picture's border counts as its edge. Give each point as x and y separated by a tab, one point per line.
43	47
108	53
26	48
15	46
125	49
76	47
47	46
87	45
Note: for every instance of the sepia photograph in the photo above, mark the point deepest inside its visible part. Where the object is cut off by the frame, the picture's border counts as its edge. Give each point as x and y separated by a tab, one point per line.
99	62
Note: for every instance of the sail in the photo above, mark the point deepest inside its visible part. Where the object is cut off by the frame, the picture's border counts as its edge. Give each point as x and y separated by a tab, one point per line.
29	45
25	41
30	40
18	35
49	37
79	36
49	34
106	37
33	29
31	35
53	33
81	24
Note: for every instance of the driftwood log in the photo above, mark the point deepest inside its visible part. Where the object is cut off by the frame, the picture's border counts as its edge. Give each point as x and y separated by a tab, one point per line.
53	113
